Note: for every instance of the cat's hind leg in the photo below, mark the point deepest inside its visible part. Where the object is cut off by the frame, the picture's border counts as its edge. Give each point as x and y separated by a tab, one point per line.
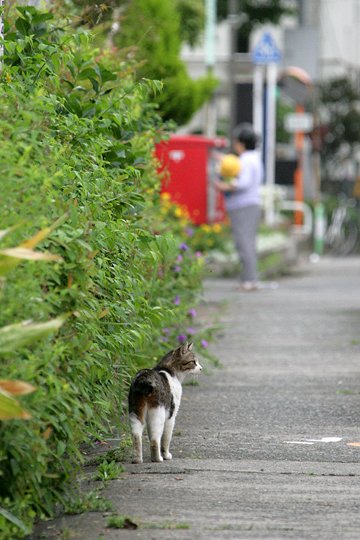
137	428
155	426
166	438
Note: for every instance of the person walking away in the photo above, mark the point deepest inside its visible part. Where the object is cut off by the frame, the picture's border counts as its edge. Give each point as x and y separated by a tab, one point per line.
243	204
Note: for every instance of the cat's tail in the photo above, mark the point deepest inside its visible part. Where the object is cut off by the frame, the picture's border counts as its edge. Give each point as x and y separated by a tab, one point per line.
145	387
144	383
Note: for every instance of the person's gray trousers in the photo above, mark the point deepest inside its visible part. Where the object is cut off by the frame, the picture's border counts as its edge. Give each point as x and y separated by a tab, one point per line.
244	224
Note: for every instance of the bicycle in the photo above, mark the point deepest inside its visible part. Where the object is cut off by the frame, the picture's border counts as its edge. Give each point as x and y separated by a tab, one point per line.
342	234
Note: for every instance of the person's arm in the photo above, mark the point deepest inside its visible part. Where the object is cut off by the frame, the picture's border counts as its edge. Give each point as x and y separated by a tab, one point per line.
245	178
225	187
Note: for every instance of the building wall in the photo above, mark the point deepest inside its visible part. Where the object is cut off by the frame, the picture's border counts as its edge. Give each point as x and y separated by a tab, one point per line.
324	40
339	23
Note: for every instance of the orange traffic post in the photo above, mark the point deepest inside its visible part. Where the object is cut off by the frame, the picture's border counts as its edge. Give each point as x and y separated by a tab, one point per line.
299	173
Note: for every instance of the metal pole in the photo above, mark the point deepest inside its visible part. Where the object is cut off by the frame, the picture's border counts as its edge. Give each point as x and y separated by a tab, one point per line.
270	142
233	24
210	129
258	102
210	6
210	22
2	4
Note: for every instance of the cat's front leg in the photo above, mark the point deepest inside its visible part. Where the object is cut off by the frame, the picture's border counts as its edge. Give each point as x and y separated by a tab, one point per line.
166	438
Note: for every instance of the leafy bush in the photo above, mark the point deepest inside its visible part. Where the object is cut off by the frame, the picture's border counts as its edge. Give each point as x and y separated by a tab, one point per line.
340	132
202	238
77	149
153	28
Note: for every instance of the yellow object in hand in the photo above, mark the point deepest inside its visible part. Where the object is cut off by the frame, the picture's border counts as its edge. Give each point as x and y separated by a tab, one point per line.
230	166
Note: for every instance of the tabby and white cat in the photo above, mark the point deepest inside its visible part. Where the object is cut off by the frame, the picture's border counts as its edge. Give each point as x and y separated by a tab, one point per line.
154	400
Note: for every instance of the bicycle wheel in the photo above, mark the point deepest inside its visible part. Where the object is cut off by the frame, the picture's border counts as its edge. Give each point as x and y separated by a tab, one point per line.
350	235
343	241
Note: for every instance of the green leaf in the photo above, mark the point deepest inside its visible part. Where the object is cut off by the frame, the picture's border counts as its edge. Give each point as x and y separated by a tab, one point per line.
74	105
95	84
13	519
167	246
10	409
38	18
11	257
18	335
4	232
107	75
61	447
23	26
88	73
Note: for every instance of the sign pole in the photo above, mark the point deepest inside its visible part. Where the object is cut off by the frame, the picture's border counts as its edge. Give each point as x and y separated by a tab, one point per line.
258	102
270	143
266	53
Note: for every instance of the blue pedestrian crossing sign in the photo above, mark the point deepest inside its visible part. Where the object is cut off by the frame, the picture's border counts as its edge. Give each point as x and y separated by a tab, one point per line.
266	51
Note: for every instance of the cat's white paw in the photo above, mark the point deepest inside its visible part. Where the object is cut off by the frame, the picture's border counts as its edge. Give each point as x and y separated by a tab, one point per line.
137	461
157	459
167	455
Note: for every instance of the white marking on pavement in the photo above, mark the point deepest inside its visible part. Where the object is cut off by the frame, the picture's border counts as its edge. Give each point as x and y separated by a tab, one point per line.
298	442
313	441
326	439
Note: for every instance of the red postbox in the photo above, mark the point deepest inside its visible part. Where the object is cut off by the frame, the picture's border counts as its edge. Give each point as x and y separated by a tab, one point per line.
190	163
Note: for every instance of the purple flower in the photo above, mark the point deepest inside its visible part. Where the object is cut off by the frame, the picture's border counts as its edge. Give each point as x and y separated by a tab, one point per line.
179	258
177	268
192	312
183	247
181	338
198	254
176	300
164	339
166	331
204	343
189	231
191	331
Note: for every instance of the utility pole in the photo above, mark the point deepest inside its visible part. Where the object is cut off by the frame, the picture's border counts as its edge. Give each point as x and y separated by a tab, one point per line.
210	7
2	5
233	18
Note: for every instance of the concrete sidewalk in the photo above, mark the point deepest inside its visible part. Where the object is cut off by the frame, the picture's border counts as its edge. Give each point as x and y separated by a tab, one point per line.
269	445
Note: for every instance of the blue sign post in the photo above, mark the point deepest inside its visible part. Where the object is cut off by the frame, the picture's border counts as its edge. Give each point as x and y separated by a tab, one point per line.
266	53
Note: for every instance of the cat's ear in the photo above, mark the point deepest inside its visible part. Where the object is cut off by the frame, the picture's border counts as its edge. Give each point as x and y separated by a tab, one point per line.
185	348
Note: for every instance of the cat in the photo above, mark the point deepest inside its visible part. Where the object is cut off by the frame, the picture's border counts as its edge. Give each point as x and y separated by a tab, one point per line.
154	400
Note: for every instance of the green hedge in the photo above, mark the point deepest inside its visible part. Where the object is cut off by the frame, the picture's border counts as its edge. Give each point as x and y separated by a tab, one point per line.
77	147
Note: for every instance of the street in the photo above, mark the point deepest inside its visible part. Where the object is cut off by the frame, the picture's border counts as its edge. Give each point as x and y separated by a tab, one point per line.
267	446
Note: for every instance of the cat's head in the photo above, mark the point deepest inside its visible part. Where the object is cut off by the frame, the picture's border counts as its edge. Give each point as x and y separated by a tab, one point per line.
182	360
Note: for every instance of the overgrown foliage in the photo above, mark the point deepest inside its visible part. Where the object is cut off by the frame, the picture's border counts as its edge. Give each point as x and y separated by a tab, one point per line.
153	31
340	118
191	13
78	132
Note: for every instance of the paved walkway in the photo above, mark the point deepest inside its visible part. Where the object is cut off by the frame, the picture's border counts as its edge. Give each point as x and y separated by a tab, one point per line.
269	445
